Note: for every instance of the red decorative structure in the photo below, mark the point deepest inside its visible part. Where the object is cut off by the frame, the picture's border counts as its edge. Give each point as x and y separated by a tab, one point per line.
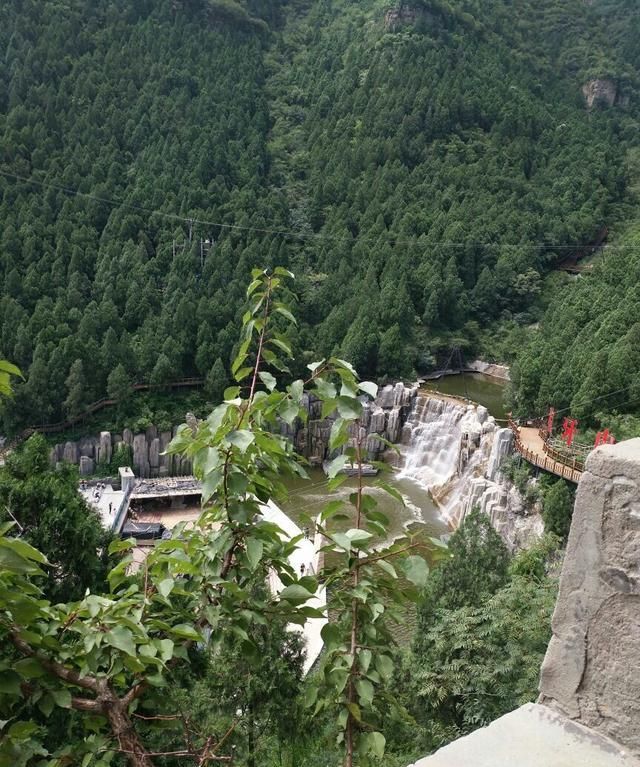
569	428
604	438
550	417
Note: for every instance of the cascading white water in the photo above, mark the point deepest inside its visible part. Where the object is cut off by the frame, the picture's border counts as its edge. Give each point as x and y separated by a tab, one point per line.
433	435
448	443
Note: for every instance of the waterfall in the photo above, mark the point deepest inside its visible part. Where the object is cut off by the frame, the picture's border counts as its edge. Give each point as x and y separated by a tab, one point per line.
447	444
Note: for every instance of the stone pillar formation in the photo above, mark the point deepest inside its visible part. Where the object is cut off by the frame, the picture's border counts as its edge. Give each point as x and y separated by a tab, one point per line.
591	672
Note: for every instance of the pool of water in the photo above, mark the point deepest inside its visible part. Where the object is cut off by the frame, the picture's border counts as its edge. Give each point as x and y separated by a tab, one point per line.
306	498
483	389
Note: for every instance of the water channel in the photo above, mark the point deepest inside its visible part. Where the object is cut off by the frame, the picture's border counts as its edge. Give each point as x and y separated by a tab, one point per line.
308	497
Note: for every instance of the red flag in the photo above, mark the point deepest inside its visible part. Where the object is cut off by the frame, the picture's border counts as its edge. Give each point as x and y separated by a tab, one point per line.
569	428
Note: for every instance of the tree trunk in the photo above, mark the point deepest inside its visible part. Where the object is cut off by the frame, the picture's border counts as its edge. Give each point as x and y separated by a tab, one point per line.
129	743
251	743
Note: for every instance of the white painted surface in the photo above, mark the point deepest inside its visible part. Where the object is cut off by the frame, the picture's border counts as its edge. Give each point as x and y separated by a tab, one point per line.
531	736
305	555
106	502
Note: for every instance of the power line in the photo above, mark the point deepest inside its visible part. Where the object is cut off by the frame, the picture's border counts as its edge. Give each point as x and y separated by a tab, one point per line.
303	235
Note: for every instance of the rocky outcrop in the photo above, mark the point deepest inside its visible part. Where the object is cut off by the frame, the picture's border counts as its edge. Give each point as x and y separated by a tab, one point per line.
404	14
382	418
490	369
600	92
590	670
501	448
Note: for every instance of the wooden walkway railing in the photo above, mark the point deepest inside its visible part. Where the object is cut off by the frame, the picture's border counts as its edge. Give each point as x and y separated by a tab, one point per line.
94	407
549	459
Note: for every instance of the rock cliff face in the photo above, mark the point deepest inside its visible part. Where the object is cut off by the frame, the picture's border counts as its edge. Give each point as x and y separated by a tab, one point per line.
383	417
404	14
590	669
455	450
146	450
600	92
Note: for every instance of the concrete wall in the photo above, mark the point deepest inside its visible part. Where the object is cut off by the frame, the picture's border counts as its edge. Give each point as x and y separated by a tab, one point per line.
591	672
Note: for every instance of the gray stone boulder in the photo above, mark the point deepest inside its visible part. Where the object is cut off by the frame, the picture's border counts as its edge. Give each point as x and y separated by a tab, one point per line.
502	446
385	397
154	455
590	670
104	448
141	455
600	92
393	425
378	421
87	466
87	447
70	453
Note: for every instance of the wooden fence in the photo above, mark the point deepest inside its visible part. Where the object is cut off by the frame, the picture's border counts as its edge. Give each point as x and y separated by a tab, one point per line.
552	460
94	407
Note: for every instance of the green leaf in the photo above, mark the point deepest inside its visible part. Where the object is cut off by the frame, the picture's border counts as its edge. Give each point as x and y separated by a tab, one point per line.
268	380
289	411
369	388
280	271
295	593
9	683
376	743
61	697
255	549
384	664
416	569
331	509
390	490
387	567
29	668
281	309
364	658
241	438
165	647
310	696
365	691
354	710
337	465
349	408
283	345
185	631
12	370
243	373
326	390
296	390
339	434
358	537
331	635
334	484
165	586
342	541
122	639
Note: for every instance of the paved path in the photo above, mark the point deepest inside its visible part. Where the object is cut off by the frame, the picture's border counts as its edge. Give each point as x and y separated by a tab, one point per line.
531	736
306	555
106	502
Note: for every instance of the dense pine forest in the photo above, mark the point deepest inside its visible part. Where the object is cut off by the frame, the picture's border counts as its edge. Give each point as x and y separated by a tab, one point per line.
422	167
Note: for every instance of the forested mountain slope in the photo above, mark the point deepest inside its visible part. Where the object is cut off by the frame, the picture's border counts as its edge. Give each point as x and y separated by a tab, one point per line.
420	171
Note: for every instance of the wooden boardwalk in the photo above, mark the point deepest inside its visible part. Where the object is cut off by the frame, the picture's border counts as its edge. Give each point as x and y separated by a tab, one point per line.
532	445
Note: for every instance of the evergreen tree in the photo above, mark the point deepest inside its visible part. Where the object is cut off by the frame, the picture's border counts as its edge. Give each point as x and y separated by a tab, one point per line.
557	508
217	381
76	385
55	518
119	384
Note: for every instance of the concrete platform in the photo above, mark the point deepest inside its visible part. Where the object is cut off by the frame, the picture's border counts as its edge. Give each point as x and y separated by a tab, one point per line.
531	736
